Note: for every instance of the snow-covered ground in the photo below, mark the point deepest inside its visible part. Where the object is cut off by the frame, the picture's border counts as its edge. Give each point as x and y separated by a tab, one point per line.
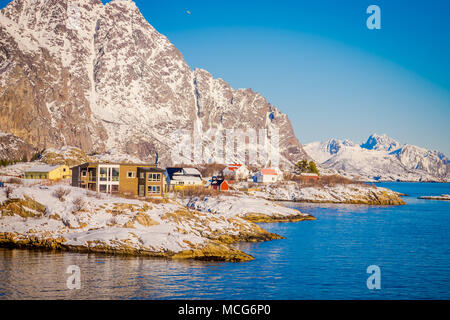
443	197
85	220
18	169
339	193
242	206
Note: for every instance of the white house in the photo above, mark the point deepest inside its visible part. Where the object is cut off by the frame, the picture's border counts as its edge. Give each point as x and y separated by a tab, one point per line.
237	171
267	176
183	177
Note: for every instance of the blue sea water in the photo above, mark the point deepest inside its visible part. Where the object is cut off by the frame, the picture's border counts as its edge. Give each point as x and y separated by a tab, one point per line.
322	259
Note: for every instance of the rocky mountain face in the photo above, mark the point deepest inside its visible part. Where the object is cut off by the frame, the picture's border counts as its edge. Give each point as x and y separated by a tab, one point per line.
101	78
380	158
380	143
13	148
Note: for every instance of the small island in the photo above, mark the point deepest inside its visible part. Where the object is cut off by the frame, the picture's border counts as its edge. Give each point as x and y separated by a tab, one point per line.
443	197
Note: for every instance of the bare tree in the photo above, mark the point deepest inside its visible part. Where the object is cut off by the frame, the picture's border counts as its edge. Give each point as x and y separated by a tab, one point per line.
78	204
61	193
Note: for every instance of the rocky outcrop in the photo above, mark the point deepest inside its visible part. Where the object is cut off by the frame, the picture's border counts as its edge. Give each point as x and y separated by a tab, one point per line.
340	193
101	78
12	148
262	218
444	197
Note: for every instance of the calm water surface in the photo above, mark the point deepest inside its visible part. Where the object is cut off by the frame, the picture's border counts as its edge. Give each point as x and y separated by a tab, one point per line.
323	259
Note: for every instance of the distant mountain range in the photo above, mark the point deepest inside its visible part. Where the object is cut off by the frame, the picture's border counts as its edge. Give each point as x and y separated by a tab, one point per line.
380	158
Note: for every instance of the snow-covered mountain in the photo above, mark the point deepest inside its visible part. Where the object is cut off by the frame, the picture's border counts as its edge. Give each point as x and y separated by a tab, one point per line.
380	158
101	78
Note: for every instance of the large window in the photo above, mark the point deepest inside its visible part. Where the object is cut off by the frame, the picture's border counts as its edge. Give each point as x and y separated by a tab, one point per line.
109	174
115	174
154	177
102	188
103	174
114	188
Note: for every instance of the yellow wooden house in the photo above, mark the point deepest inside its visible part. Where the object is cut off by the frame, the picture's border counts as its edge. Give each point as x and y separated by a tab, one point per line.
48	172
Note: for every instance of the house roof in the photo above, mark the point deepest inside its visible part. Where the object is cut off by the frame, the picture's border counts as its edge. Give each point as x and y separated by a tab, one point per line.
43	168
192	171
269	172
98	163
171	171
186	178
218	182
233	167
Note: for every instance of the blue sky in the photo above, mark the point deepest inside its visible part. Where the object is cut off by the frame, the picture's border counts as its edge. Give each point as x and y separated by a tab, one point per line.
318	62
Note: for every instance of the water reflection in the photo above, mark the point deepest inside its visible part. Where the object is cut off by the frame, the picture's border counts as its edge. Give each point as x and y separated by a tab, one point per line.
42	275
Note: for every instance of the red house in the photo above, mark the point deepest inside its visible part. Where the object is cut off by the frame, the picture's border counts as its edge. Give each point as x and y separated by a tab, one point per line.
220	184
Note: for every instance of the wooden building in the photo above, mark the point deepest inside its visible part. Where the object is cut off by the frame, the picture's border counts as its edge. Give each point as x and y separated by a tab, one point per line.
116	178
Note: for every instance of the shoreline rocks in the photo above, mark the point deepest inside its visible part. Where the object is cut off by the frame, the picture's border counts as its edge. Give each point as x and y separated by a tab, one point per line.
33	218
336	194
443	197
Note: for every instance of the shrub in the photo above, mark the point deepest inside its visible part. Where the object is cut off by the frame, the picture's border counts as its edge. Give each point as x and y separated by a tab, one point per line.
323	181
14	181
212	169
8	191
61	193
199	191
78	204
304	166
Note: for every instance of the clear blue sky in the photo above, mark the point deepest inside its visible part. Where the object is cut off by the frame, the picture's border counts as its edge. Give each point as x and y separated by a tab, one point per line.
318	62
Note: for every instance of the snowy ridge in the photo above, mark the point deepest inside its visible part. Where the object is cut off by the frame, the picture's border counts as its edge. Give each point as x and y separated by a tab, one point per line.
380	158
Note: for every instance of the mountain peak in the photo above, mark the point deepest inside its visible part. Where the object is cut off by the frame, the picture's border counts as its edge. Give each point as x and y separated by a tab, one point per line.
101	78
381	143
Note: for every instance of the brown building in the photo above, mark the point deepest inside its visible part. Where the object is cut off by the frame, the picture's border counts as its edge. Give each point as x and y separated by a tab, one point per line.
151	182
117	178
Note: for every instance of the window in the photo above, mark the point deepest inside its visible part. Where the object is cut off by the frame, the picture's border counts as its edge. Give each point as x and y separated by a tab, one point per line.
114	188
64	169
142	175
103	188
154	177
115	174
83	173
131	174
154	189
103	174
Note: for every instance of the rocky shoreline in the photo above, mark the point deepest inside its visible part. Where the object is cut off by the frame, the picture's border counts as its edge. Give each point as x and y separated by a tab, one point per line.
153	228
336	194
201	228
443	197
